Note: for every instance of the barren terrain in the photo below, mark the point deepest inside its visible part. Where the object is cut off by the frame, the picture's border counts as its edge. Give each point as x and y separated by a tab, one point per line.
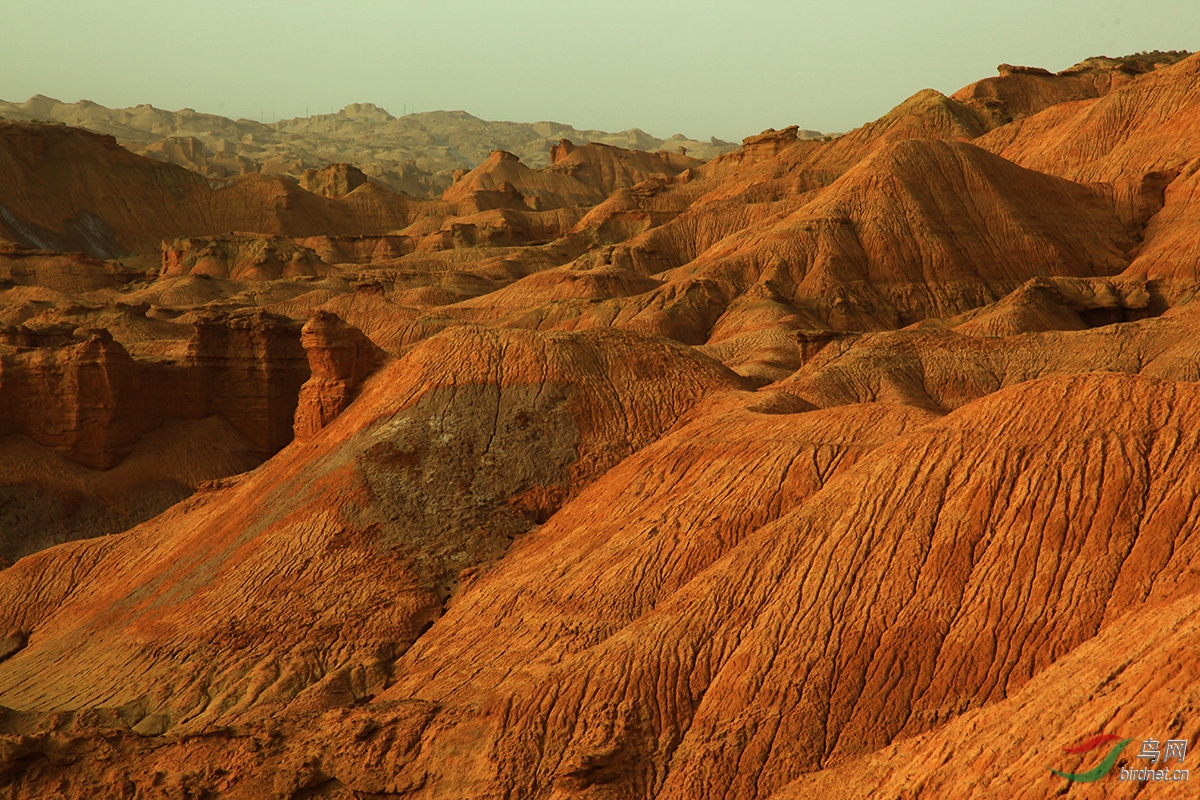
852	467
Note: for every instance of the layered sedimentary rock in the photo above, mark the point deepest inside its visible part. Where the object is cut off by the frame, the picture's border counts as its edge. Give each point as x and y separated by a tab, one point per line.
74	407
340	357
336	180
1020	92
509	424
47	498
82	399
577	176
827	467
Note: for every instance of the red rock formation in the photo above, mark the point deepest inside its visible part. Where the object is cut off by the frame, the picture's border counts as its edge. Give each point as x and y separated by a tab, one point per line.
1141	127
577	176
921	453
1020	92
508	424
240	258
90	401
340	358
248	368
75	399
47	499
852	620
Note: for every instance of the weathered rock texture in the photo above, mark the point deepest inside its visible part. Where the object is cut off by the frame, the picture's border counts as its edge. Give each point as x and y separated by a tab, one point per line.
846	468
71	412
340	357
577	176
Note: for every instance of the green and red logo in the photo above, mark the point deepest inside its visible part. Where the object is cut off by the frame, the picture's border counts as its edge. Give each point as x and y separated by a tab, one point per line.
1100	770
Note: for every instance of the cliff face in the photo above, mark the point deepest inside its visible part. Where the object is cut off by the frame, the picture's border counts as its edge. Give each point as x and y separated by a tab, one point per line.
69	398
249	369
74	411
340	358
336	180
90	400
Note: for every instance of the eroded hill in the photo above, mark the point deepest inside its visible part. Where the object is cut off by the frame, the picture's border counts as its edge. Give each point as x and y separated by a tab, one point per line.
417	154
820	468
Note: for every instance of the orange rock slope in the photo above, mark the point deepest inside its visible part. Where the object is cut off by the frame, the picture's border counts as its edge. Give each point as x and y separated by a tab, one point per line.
850	468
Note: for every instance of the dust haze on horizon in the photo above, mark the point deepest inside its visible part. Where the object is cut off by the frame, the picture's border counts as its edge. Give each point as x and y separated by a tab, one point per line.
699	68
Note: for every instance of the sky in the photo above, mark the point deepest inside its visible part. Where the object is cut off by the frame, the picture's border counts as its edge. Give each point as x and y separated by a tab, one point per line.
701	68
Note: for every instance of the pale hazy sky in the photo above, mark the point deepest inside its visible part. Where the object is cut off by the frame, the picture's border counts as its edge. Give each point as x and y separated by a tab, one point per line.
700	67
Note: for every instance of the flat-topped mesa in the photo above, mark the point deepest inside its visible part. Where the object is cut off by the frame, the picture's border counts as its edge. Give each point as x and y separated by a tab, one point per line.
770	142
1008	69
340	357
335	180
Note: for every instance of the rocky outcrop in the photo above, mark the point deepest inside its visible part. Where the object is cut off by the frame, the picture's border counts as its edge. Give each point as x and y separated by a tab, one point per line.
335	180
1021	92
258	258
944	369
94	441
1140	127
769	143
248	368
509	424
920	454
340	358
81	399
577	176
84	396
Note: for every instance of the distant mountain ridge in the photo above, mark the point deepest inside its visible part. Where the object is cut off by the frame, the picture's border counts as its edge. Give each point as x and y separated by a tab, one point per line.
415	153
